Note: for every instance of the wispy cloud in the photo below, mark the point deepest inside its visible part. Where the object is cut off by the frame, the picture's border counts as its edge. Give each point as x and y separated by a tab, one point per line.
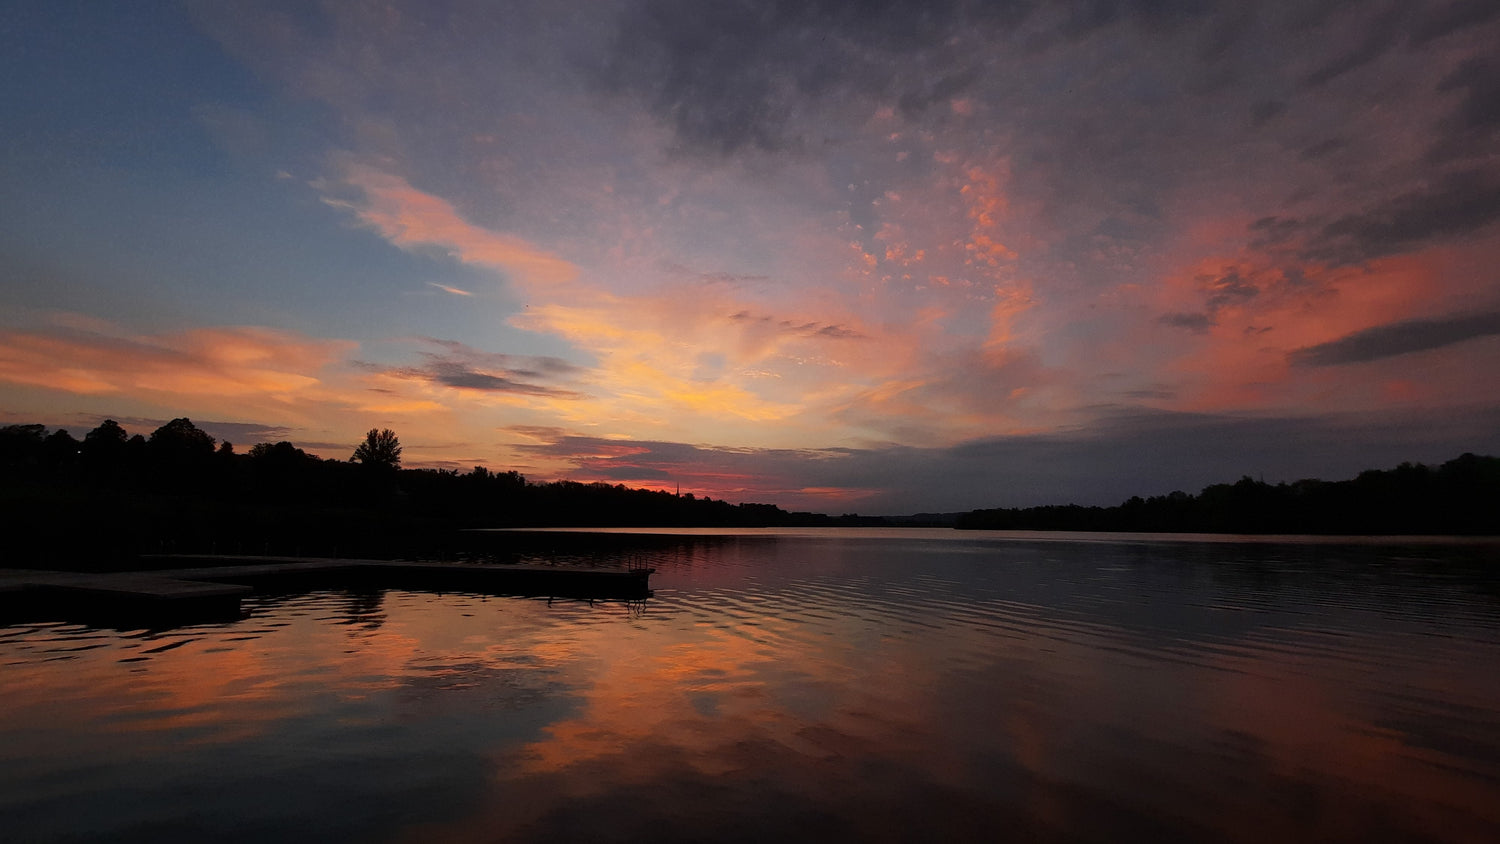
410	218
802	329
232	361
1462	204
1398	338
922	223
454	291
461	367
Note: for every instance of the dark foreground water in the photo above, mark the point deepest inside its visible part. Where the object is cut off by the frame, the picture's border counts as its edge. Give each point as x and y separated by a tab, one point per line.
815	686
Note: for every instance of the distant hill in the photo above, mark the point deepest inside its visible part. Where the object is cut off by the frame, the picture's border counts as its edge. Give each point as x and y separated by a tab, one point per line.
1462	497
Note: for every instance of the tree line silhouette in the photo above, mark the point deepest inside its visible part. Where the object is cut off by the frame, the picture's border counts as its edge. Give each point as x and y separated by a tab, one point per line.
111	496
1462	497
104	500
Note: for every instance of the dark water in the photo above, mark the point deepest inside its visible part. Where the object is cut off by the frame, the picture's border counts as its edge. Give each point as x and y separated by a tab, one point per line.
819	686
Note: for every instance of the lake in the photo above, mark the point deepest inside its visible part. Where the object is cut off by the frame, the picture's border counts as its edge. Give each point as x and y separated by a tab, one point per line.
873	685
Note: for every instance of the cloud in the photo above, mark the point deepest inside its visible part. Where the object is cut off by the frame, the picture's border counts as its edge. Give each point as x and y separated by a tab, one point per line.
1381	34
669	355
410	219
461	376
738	77
1322	148
1220	291
1191	321
800	329
1458	205
717	277
733	473
454	291
1398	338
1135	452
1127	452
1447	18
462	367
834	223
1229	289
1264	111
679	354
1479	80
1469	128
230	361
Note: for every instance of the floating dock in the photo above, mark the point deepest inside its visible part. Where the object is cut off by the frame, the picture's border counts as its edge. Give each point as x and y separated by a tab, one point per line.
214	586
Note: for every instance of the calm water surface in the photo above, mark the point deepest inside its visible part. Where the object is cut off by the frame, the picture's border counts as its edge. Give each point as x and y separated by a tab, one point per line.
911	685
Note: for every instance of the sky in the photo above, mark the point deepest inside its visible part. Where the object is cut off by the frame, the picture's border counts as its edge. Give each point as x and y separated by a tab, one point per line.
875	257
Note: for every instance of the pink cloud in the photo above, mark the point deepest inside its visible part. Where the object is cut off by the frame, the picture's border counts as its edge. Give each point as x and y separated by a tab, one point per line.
410	218
675	353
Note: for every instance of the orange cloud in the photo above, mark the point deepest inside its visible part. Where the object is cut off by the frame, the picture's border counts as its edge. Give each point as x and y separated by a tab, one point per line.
234	361
674	356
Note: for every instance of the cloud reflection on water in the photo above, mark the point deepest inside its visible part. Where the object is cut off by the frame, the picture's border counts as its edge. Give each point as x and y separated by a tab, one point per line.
802	688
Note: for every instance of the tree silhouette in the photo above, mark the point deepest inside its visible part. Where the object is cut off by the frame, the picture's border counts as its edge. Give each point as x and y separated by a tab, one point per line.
380	450
21	446
108	437
181	438
60	449
104	451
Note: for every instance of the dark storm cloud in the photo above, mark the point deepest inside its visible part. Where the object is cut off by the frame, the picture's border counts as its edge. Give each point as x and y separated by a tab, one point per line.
1479	79
1411	24
1383	32
1448	18
1398	338
1152	453
1469	130
737	76
1273	231
769	75
1263	112
730	76
1458	205
1322	148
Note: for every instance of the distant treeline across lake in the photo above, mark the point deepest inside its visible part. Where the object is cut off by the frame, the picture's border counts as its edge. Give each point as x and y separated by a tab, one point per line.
109	497
1460	497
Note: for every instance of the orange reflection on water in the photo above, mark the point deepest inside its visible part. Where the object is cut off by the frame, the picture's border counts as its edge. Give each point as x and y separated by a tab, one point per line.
221	683
816	697
1061	729
1300	728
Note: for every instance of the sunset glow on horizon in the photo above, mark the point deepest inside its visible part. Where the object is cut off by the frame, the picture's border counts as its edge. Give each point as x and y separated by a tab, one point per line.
838	257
